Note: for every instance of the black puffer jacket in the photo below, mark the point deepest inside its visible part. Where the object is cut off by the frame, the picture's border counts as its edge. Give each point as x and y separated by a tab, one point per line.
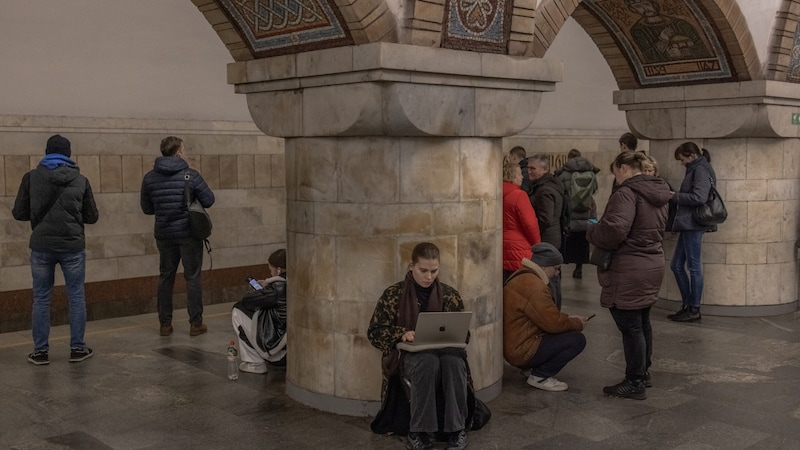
162	195
59	229
578	219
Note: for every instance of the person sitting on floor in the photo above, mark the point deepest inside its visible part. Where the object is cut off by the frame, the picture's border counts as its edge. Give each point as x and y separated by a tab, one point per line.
440	396
536	335
259	320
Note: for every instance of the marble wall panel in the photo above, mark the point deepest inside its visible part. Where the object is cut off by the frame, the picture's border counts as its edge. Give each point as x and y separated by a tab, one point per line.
401	219
724	284
729	158
262	171
14	253
3	178
228	172
765	158
314	367
278	170
341	219
365	266
788	282
314	274
131	173
745	254
300	217
785	189
763	284
736	228
14	168
245	170
429	171
209	169
479	161
140	266
745	190
764	220
352	317
458	218
353	350
317	180
90	168
791	220
484	347
111	174
370	169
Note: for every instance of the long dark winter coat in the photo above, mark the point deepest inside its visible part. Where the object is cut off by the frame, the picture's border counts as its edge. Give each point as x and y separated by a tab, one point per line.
633	226
547	197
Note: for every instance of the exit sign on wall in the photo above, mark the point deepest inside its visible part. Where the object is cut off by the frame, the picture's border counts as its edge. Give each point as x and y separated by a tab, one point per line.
795	118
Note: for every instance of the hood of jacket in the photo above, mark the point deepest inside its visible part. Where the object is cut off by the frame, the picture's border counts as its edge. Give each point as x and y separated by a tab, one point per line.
578	164
169	165
653	190
547	179
61	176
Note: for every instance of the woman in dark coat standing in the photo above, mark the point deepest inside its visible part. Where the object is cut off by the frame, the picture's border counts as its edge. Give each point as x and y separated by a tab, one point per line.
576	247
694	190
632	227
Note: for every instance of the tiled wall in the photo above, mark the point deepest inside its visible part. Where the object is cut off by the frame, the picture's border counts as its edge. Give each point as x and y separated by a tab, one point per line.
243	167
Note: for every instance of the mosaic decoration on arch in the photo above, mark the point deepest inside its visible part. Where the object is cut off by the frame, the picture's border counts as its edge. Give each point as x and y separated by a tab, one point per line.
477	25
277	27
793	71
665	41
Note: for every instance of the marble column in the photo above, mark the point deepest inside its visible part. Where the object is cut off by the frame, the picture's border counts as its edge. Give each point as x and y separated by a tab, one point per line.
751	130
388	145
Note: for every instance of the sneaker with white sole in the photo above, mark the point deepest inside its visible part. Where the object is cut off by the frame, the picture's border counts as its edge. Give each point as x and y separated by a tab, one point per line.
77	355
252	367
39	358
547	384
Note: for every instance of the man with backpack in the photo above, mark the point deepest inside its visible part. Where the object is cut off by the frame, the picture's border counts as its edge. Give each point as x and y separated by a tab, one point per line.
549	199
579	175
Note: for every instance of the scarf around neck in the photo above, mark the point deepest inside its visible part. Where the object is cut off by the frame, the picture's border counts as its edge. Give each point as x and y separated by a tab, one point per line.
408	309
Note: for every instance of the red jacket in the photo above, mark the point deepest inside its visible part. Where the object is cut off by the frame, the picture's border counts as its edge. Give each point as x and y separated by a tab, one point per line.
520	227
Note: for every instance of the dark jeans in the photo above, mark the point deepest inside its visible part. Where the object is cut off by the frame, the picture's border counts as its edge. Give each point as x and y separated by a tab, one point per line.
425	371
554	352
43	269
171	253
637	340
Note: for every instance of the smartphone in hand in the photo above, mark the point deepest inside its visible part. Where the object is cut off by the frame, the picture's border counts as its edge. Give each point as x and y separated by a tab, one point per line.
592	220
254	284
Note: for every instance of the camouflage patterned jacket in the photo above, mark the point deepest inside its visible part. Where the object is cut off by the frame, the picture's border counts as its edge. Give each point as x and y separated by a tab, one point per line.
384	334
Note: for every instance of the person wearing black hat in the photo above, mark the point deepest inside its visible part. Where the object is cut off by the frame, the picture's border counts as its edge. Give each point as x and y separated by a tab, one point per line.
536	335
58	201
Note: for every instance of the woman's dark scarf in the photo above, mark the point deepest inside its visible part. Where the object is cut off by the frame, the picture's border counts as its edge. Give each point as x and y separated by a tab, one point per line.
408	309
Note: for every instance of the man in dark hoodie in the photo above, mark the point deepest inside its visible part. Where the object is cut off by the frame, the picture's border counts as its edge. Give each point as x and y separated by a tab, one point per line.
58	201
162	194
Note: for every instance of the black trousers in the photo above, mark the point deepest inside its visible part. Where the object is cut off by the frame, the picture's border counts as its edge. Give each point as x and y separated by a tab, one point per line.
637	340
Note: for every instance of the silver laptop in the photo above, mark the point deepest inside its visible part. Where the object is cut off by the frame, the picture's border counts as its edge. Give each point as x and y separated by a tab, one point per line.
439	330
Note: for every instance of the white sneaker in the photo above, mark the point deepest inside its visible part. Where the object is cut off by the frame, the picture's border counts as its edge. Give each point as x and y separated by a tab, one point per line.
252	367
547	384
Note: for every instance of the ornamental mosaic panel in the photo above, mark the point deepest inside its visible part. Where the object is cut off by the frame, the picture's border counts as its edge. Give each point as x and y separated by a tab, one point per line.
665	41
793	71
277	27
477	25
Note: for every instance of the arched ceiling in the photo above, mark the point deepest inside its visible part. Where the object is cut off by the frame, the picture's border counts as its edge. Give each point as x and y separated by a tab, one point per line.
647	43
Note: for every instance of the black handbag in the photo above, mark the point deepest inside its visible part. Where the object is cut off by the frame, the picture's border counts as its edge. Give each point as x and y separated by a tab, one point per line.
713	211
199	220
601	258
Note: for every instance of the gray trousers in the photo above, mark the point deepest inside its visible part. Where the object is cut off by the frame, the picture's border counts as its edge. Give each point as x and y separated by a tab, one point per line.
425	371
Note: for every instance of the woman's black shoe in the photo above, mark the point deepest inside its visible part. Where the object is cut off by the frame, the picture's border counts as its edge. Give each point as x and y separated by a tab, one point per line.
688	315
677	313
627	389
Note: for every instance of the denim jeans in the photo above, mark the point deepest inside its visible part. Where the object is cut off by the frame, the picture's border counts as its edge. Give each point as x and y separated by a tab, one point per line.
43	269
687	253
171	253
425	371
554	352
637	340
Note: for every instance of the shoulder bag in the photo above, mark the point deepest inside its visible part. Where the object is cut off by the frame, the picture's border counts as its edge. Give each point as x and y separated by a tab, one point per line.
199	221
601	258
713	211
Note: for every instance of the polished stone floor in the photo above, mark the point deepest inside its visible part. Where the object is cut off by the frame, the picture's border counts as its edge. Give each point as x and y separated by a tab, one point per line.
728	383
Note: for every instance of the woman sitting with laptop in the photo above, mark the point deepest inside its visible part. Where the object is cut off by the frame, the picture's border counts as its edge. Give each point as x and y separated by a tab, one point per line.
441	374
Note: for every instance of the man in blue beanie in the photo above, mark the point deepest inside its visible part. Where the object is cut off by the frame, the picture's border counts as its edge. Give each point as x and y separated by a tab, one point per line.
58	201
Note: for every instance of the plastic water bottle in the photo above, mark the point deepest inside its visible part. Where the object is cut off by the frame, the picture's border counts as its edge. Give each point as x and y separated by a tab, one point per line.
233	367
